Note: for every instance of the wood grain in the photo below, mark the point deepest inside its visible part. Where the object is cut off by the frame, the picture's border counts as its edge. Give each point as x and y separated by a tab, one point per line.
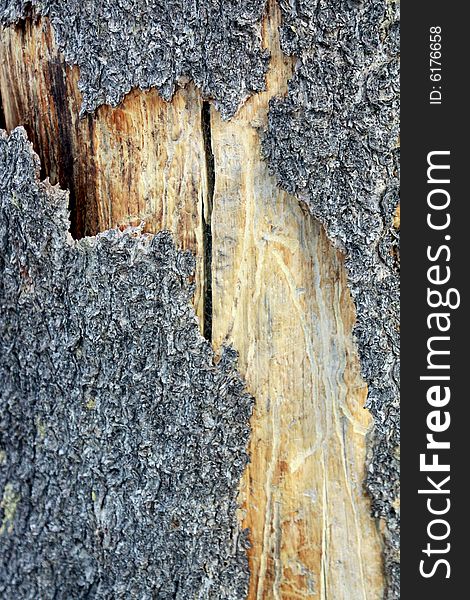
280	297
275	288
144	160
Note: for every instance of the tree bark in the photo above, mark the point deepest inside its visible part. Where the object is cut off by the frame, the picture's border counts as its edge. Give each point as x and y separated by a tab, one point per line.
267	281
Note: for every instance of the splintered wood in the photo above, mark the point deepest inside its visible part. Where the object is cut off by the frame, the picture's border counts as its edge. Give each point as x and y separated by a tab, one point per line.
279	296
143	161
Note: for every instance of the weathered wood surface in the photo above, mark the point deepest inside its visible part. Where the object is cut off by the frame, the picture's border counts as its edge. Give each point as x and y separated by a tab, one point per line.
281	298
273	284
144	160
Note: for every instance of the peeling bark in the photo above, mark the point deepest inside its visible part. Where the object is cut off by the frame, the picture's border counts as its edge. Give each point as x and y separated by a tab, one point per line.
122	442
331	142
123	45
142	162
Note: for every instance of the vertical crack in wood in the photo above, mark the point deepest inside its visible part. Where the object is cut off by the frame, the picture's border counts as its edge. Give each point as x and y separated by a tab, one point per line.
64	166
207	219
154	433
2	114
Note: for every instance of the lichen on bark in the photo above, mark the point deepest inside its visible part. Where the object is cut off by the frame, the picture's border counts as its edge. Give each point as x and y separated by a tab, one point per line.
122	440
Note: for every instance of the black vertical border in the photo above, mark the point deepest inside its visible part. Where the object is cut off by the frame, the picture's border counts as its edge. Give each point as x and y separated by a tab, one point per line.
425	128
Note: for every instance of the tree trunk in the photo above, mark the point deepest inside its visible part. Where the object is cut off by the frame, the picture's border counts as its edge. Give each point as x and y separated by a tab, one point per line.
268	282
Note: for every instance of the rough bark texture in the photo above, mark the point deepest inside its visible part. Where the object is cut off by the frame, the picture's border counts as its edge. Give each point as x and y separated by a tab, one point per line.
122	443
135	43
331	142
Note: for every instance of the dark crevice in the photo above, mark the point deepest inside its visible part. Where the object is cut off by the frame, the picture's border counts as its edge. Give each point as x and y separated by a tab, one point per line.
65	161
3	124
207	219
28	15
52	137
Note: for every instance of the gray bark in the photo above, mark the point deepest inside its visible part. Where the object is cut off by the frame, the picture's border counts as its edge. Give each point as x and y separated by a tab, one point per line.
122	442
133	43
332	142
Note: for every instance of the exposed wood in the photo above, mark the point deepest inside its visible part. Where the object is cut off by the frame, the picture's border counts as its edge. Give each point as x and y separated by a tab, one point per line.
122	440
279	295
396	222
144	160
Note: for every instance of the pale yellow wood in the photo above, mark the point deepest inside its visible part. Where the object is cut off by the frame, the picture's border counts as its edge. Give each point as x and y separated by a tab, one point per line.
280	297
